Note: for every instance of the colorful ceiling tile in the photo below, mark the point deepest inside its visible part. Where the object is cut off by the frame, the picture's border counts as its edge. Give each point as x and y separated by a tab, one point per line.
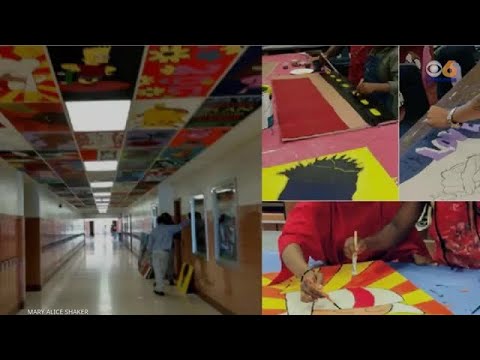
183	154
148	138
162	114
101	175
128	176
96	72
51	141
36	117
123	187
45	176
89	155
54	155
25	75
224	111
108	155
245	77
99	140
183	71
157	175
200	137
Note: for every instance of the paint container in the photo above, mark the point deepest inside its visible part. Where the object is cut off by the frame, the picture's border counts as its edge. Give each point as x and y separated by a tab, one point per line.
267	107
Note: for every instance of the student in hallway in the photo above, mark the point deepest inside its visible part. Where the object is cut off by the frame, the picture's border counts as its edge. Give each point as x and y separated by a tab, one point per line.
160	246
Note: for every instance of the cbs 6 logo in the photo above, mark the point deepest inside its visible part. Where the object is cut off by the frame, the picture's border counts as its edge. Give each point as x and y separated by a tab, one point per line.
450	70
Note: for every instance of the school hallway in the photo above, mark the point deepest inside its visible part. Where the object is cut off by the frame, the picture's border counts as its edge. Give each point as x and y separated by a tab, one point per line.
102	278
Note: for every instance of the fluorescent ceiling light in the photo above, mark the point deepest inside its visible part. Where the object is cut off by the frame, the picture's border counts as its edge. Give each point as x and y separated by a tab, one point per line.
101	184
98	115
101	194
110	165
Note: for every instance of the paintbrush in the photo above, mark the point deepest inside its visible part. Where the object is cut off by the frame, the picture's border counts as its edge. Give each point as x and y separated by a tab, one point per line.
329	63
356	91
354	256
474	311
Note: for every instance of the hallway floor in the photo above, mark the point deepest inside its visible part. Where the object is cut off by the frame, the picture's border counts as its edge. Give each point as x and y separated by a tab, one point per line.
103	278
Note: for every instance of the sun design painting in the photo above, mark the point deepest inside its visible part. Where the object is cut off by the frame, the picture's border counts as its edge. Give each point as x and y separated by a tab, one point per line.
377	289
25	75
351	175
183	71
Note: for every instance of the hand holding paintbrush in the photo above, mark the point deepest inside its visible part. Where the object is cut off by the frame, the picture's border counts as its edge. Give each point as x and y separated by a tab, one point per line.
354	246
355	254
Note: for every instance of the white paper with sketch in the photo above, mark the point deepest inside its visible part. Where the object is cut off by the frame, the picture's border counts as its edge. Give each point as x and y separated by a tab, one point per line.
454	177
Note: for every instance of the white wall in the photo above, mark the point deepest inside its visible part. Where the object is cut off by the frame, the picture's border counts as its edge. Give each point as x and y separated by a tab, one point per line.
11	190
42	203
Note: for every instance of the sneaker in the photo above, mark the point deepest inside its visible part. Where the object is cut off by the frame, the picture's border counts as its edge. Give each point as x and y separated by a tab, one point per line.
161	293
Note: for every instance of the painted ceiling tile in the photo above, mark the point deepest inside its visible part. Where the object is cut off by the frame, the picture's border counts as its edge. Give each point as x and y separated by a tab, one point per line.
182	154
25	75
200	137
53	155
224	111
96	72
162	114
44	176
108	155
51	141
148	138
99	140
89	155
38	117
155	175
183	71
101	175
10	139
245	77
124	187
129	176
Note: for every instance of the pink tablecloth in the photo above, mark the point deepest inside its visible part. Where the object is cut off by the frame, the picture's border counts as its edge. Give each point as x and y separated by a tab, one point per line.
380	140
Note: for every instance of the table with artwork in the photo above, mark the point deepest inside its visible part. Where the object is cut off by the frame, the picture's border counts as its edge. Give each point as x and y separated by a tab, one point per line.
323	125
378	288
442	164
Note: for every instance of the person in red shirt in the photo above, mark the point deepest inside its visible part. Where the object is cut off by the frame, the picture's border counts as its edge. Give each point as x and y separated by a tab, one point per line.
324	232
453	225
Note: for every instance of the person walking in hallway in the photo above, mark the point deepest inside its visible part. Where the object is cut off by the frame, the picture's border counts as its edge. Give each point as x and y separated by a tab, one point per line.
160	246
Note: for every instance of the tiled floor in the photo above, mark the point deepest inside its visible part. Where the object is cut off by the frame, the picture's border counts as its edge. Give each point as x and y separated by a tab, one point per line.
103	279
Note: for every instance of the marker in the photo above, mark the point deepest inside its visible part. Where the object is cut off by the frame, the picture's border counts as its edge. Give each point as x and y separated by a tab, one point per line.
354	257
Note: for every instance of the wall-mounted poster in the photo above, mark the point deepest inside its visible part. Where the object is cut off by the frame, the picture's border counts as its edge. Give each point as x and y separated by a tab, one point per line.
96	72
198	225
224	198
